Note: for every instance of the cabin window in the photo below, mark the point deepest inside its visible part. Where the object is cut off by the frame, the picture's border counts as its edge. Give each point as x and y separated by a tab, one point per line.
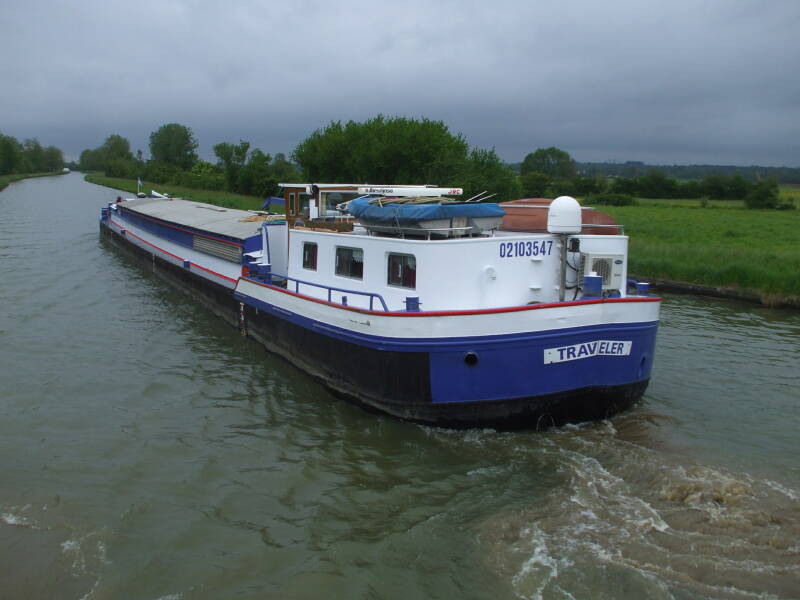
350	262
292	204
403	270
303	203
310	255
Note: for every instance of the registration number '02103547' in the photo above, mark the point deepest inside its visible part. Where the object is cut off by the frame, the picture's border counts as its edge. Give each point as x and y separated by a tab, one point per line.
526	248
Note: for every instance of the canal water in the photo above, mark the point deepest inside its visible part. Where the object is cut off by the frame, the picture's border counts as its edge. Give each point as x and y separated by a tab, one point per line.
148	451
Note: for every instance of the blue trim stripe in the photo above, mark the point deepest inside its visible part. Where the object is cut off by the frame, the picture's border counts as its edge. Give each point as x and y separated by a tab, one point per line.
432	344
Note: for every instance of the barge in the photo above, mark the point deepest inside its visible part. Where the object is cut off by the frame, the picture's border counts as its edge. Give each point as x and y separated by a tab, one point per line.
413	303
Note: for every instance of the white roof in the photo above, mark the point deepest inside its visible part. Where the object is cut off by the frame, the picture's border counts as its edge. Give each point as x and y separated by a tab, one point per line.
206	217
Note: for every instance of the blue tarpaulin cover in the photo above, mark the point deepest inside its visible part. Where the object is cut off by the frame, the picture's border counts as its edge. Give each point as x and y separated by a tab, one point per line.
407	214
273	200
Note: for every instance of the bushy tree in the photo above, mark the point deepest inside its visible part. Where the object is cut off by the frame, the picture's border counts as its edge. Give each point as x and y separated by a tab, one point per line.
737	187
256	175
555	163
383	150
231	158
561	187
160	172
175	145
587	185
534	184
690	189
655	184
283	170
721	187
121	167
28	156
485	172
32	156
53	159
113	157
400	150
91	160
764	194
116	146
624	185
10	155
207	176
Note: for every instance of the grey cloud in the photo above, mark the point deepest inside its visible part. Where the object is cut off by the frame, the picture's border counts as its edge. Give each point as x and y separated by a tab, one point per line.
681	81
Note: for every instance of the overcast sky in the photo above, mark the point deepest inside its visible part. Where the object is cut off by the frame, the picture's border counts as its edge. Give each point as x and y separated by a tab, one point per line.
674	81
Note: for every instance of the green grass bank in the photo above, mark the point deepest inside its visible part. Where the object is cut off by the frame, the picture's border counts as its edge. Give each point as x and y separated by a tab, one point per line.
756	252
6	179
226	199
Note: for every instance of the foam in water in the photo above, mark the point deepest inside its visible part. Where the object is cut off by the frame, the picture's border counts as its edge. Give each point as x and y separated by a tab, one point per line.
668	529
12	519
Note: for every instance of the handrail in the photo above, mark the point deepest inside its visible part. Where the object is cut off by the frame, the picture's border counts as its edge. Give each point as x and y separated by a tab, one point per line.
330	288
419	231
618	226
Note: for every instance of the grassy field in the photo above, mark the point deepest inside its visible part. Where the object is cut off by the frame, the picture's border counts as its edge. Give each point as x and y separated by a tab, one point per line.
752	250
6	179
226	199
791	192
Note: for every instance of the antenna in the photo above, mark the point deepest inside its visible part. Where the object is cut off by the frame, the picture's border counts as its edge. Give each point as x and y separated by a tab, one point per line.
480	197
475	196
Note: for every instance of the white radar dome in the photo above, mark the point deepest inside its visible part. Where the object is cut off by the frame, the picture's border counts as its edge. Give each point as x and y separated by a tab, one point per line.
564	215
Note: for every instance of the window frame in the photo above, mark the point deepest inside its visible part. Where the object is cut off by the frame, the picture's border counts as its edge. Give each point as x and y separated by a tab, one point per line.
349	274
404	265
316	256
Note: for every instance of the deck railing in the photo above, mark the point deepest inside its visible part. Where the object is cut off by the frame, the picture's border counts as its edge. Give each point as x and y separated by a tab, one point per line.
297	282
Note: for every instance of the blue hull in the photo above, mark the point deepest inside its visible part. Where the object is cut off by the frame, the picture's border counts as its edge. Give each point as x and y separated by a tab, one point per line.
494	381
501	381
515	366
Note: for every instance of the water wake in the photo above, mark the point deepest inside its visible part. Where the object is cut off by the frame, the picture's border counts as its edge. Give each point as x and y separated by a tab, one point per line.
629	522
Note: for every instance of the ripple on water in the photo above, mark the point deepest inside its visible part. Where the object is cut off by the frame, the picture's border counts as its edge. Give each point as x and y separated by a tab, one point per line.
627	515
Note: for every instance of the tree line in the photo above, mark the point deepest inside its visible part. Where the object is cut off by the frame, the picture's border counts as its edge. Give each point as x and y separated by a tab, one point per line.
551	172
28	156
380	150
632	169
174	161
398	150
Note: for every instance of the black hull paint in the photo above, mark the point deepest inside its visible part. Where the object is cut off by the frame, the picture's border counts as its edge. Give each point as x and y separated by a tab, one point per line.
395	383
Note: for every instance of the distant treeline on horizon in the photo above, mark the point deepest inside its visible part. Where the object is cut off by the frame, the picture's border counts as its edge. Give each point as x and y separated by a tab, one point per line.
631	169
392	149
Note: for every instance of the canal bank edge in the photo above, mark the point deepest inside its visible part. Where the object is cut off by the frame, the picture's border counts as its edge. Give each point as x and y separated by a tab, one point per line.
6	179
680	287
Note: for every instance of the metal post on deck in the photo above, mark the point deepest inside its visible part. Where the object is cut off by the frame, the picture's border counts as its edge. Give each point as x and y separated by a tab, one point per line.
562	280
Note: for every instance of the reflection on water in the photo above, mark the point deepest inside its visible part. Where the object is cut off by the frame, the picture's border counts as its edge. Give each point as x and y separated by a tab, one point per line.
148	451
